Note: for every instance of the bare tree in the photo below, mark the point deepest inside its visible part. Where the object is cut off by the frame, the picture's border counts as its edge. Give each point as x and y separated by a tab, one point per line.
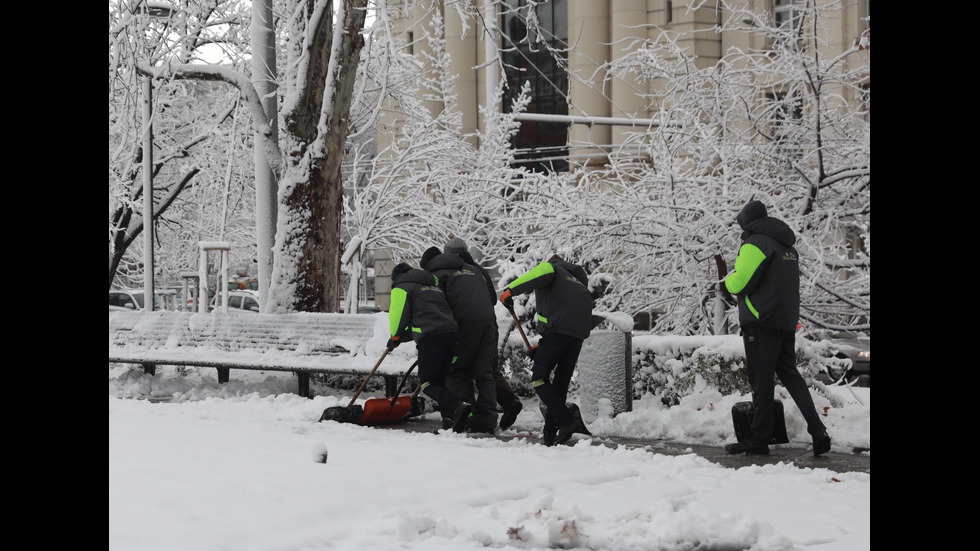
193	125
322	41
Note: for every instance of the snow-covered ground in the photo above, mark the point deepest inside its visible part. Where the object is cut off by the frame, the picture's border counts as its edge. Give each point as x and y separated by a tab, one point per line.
235	466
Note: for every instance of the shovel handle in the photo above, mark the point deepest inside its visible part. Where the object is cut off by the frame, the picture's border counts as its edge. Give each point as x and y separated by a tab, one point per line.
402	385
520	328
368	378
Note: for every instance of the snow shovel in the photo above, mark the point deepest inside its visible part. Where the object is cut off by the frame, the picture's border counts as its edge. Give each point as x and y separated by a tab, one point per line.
520	328
381	411
351	413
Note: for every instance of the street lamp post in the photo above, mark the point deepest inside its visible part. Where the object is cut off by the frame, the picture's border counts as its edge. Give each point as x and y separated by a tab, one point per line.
157	10
148	193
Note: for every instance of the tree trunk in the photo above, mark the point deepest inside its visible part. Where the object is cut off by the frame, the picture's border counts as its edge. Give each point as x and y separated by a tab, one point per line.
318	202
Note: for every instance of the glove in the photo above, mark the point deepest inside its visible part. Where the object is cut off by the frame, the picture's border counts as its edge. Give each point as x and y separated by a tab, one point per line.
507	300
531	352
393	343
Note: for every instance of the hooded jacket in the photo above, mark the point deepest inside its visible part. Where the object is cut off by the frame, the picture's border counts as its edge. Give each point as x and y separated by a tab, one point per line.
491	288
418	306
466	289
766	278
561	291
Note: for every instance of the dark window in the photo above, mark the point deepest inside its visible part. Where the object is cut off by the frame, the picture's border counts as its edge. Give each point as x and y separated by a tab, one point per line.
539	146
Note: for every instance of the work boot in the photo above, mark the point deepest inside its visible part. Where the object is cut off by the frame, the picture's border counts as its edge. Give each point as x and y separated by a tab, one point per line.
550	431
576	425
510	414
821	444
477	428
748	448
418	406
447	422
461	417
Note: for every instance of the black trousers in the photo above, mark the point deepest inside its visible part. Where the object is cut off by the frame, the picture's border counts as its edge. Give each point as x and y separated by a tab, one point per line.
771	353
554	364
435	360
473	367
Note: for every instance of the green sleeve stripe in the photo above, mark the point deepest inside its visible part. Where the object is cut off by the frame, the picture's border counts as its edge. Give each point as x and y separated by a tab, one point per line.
748	260
398	297
544	268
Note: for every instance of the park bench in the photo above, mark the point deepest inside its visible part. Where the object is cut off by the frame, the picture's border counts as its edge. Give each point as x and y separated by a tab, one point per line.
301	343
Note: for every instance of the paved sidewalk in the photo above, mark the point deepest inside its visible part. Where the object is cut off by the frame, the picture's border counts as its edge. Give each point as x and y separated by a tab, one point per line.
859	461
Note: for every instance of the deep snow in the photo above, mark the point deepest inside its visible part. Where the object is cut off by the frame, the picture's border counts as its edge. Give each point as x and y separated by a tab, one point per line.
194	464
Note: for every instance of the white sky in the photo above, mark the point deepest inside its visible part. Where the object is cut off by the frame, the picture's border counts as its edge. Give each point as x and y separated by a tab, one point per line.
231	466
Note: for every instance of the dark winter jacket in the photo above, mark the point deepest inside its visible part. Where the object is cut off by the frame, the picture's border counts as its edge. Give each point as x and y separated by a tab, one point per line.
491	288
561	291
418	306
766	278
465	288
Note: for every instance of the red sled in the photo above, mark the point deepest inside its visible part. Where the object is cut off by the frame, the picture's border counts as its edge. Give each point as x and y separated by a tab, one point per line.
744	412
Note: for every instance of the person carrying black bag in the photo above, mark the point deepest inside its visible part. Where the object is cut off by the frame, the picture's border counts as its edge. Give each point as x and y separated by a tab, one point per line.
766	283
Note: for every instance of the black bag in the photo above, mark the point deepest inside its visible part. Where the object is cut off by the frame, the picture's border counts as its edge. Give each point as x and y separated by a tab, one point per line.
742	414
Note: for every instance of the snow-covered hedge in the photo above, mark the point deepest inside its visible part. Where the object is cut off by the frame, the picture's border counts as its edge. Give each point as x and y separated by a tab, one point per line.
671	367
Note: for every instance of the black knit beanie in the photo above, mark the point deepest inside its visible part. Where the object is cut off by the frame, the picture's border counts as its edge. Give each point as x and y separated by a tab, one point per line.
752	211
399	270
428	255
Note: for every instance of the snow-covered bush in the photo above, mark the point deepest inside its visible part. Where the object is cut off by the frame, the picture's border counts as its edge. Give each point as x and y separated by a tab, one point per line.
671	367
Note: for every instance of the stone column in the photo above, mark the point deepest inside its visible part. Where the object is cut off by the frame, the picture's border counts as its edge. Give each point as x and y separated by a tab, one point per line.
588	31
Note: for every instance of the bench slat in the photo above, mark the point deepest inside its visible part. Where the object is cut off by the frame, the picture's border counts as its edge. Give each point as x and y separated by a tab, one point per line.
302	343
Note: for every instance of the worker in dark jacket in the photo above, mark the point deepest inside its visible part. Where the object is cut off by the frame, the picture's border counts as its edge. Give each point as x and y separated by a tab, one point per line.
766	282
466	292
564	321
509	402
419	311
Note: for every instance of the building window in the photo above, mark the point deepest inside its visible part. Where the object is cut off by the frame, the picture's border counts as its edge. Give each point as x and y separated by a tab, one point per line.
669	13
788	17
537	56
787	13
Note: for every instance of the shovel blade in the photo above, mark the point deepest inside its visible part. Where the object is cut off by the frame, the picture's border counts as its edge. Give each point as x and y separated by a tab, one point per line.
381	411
342	414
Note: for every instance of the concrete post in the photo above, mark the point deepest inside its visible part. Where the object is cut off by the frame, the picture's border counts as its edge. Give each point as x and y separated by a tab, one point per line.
605	374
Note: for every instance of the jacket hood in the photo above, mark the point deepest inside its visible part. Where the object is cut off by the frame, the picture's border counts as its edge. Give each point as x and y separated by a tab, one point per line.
574	269
773	227
445	261
415	275
467	257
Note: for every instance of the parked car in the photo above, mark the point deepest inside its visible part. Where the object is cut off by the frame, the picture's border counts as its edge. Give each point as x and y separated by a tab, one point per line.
239	302
856	348
131	299
362	309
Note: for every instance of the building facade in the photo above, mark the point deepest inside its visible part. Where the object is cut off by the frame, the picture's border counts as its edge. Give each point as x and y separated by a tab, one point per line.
564	57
